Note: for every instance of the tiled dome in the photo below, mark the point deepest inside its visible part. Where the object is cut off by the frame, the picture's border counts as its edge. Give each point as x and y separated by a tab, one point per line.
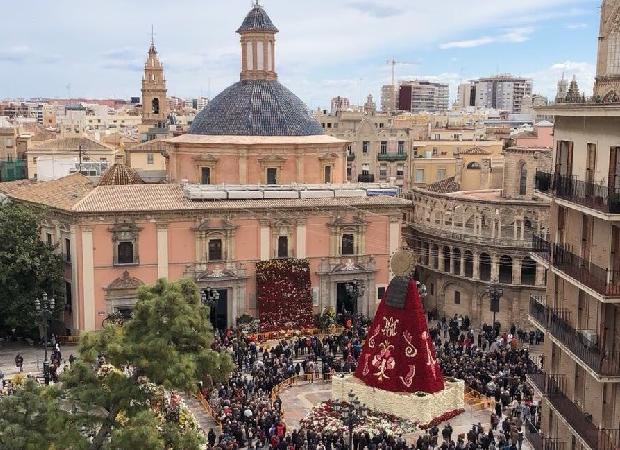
257	20
119	175
256	108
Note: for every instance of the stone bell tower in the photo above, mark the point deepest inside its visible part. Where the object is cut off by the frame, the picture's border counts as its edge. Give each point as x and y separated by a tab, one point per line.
258	46
607	85
154	102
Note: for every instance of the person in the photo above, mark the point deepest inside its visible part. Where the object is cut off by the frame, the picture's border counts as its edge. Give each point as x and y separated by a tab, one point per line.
19	362
211	438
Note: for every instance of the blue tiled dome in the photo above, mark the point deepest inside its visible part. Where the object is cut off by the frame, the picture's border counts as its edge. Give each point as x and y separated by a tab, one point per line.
256	108
257	20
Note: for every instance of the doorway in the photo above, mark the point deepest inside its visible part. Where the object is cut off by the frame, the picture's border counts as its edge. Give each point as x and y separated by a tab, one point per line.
346	301
219	311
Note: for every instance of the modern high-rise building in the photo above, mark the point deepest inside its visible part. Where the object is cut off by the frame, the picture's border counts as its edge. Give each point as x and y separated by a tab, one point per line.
388	98
502	92
580	314
607	85
423	96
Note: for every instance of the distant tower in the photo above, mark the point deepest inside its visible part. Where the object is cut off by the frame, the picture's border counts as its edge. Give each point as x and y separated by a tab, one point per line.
258	46
608	62
154	102
370	107
573	96
562	90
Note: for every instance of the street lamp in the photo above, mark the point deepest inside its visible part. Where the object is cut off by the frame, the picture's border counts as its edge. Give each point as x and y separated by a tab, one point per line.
352	412
355	290
495	294
210	297
45	310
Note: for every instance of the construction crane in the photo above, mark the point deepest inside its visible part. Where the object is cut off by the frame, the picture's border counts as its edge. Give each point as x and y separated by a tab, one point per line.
393	63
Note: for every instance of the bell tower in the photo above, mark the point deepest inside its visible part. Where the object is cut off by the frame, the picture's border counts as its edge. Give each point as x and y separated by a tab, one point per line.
258	46
154	102
607	85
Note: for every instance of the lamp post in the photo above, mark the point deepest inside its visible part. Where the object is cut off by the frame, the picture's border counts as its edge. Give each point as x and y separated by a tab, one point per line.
355	290
45	310
209	299
495	294
352	413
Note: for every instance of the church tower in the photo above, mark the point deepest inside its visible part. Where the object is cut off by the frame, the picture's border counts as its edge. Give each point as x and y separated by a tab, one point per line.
258	43
154	102
607	85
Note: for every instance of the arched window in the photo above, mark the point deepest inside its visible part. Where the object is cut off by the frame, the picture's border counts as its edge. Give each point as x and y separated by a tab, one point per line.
155	106
505	269
456	254
446	259
528	271
469	264
485	267
523	179
474	165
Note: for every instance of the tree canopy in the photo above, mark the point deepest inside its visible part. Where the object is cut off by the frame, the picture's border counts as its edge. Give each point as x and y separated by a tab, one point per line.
115	389
28	267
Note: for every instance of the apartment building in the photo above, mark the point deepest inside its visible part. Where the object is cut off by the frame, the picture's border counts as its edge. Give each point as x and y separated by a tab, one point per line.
423	96
580	313
503	92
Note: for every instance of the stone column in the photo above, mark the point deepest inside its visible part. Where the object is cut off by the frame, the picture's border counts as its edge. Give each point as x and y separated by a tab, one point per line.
452	259
264	241
301	240
462	263
75	287
494	268
516	271
540	275
243	167
515	232
162	250
440	261
88	280
476	266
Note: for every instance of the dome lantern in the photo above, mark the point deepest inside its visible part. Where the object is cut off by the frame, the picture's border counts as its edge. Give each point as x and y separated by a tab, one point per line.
258	45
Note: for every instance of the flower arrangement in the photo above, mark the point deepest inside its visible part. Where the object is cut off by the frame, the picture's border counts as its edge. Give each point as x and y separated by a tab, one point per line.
445	416
326	419
284	294
327	319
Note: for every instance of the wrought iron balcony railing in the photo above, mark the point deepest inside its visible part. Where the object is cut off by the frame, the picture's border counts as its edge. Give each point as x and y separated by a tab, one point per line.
553	387
392	157
582	343
542	247
604	281
592	195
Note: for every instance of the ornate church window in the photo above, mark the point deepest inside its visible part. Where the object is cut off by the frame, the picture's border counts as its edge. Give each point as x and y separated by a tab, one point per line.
125	241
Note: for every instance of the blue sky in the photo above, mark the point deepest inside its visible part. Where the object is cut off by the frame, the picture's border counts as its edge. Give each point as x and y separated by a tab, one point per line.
325	47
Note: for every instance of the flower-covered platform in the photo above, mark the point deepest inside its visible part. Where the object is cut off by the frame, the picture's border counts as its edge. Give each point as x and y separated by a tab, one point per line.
421	408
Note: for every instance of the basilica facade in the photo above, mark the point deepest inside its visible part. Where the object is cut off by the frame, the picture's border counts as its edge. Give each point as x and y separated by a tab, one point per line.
255	180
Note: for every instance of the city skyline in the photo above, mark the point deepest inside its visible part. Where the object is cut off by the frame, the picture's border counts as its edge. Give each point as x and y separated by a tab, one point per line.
201	55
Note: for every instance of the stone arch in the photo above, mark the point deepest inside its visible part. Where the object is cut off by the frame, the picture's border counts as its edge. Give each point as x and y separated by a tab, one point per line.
155	106
469	264
485	265
456	255
449	298
505	269
528	271
446	258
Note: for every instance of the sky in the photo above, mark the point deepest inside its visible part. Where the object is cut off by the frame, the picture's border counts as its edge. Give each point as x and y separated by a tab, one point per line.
56	48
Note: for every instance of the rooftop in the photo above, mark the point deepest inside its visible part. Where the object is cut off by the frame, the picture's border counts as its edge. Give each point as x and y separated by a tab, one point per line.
253	140
71	144
75	193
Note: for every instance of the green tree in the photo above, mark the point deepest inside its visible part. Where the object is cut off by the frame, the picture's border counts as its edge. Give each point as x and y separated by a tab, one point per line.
167	341
33	419
28	267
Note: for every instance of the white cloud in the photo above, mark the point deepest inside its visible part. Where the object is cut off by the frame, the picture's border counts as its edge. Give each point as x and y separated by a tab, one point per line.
512	35
576	26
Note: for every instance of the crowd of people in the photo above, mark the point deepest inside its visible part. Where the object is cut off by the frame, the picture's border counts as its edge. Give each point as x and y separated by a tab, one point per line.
490	361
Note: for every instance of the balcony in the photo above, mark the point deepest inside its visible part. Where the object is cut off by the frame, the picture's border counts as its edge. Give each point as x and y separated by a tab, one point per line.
541	247
543	182
580	342
553	387
590	195
366	178
604	281
392	157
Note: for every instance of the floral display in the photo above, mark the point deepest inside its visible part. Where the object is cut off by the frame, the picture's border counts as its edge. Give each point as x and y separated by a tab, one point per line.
168	406
444	417
326	419
284	295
